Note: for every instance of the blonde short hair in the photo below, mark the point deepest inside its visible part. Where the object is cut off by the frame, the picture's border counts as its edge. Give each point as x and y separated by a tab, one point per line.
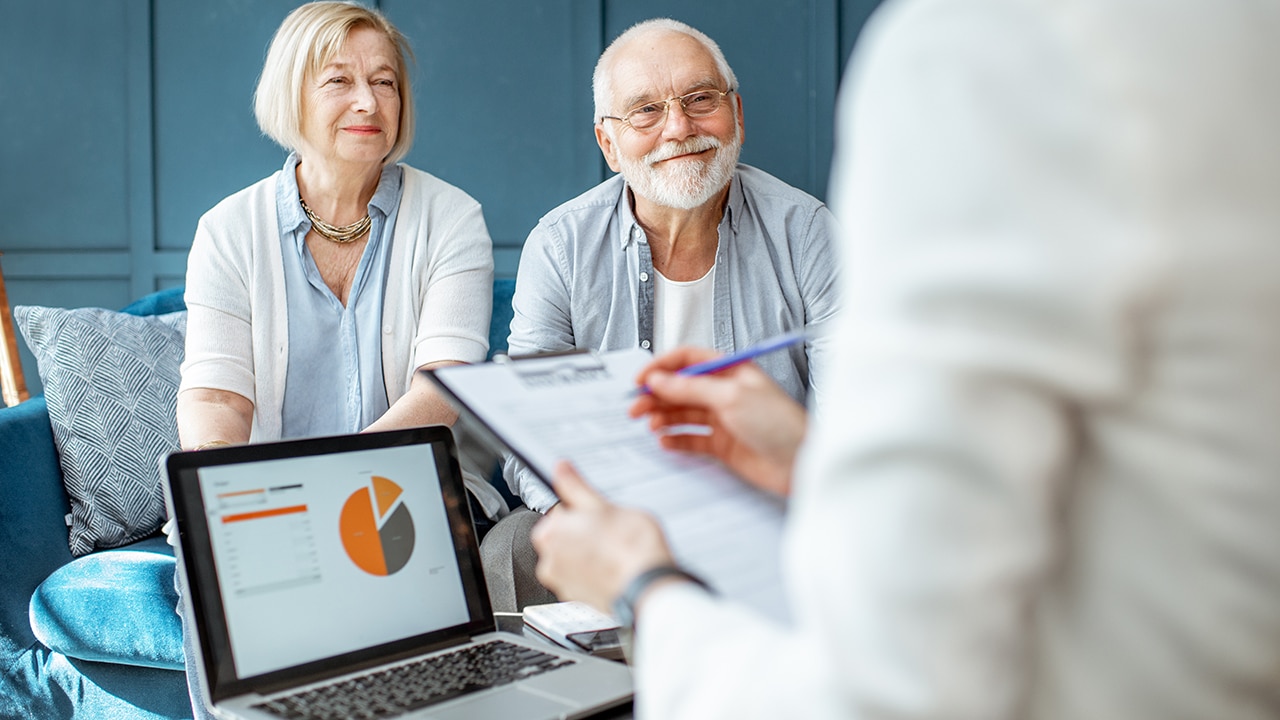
306	41
602	79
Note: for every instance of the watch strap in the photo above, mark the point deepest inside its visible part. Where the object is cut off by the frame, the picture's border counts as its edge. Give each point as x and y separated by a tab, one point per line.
625	606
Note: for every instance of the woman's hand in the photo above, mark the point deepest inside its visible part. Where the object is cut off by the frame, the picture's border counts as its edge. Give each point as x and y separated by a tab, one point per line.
589	549
755	428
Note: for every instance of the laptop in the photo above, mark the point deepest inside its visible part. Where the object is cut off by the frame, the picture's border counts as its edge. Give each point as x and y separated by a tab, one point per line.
340	577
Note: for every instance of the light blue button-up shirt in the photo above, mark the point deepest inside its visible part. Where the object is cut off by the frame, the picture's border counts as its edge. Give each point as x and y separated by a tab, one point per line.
334	381
586	282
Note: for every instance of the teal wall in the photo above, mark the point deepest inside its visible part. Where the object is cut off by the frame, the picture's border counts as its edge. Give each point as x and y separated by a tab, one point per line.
126	119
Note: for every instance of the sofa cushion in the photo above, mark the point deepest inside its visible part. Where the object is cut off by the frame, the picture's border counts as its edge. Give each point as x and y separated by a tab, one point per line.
500	320
111	383
113	606
158	303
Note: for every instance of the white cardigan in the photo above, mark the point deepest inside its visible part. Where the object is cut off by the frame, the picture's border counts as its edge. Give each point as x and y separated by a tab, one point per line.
436	306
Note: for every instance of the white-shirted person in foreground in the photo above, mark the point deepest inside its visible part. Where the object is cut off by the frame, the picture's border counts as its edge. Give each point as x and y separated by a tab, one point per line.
1046	483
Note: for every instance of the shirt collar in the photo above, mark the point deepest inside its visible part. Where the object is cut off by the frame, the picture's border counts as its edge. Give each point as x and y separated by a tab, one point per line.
384	198
733	208
631	228
289	209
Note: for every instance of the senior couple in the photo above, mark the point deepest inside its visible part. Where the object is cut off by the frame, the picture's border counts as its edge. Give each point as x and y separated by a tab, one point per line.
316	294
1044	484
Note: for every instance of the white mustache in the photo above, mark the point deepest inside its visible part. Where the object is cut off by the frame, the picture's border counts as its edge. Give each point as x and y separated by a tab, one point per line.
674	148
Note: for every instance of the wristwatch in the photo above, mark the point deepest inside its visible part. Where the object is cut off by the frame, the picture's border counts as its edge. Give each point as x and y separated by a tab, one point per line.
624	608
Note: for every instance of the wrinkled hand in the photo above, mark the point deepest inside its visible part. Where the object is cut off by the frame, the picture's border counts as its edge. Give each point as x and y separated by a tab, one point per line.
755	427
589	549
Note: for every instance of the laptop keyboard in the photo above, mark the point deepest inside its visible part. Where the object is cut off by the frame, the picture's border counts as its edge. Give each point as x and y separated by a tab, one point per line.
405	688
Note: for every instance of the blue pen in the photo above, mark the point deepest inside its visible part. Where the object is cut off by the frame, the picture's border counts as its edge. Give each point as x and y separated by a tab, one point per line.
725	362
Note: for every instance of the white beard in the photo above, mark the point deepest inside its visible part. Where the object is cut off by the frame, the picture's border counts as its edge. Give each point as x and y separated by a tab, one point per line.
685	184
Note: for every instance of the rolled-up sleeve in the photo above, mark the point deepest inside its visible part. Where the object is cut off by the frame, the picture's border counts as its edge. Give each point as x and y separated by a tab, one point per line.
542	320
219	343
453	323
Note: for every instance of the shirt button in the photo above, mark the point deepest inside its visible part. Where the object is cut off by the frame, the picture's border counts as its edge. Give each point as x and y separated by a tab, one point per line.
644	344
644	277
386	329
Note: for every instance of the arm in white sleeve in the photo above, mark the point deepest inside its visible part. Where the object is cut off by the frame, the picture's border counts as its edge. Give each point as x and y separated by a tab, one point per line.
526	484
453	319
219	341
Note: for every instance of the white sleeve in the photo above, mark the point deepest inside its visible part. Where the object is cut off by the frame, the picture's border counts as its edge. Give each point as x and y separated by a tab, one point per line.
219	342
527	485
453	321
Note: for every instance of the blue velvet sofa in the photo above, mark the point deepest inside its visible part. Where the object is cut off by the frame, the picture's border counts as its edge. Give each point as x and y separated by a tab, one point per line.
109	614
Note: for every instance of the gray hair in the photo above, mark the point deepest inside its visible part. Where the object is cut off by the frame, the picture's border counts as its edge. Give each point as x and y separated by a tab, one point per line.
306	41
602	82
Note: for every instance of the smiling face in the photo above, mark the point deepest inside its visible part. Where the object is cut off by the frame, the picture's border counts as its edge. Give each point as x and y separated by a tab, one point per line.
686	162
351	106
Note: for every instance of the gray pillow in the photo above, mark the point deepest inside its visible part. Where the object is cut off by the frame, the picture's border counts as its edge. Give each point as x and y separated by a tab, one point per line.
111	382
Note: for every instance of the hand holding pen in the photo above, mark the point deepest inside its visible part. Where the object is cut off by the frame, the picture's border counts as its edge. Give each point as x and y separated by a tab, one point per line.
741	416
724	362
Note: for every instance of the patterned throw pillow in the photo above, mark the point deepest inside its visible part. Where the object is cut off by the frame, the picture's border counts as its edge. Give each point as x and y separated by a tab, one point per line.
111	383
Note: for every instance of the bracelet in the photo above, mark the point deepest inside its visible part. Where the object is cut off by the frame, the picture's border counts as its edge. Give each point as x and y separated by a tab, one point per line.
211	444
625	606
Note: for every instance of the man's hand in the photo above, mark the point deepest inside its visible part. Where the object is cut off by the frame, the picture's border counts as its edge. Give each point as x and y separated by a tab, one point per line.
755	427
589	549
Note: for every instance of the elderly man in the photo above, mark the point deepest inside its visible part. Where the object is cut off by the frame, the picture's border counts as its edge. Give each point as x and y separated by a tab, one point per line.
684	247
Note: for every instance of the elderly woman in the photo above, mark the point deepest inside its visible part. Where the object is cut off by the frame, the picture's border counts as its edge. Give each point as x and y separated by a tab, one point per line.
316	293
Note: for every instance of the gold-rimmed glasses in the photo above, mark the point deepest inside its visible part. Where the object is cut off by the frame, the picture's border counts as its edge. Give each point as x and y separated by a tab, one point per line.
651	116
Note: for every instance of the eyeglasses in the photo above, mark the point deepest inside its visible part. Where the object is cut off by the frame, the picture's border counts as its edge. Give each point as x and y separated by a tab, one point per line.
650	116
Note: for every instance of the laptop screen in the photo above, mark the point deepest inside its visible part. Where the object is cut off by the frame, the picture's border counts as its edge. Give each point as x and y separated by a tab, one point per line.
322	549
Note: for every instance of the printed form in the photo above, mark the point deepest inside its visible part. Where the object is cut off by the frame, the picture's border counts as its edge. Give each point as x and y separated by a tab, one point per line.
574	407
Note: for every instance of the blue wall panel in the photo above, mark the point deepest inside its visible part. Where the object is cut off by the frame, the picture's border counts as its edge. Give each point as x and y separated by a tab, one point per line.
63	132
853	16
207	144
504	105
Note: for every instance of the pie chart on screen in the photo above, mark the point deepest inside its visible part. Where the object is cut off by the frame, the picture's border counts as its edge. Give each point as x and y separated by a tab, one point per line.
377	531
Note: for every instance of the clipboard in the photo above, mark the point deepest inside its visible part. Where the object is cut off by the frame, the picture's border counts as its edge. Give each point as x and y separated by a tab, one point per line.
472	421
574	406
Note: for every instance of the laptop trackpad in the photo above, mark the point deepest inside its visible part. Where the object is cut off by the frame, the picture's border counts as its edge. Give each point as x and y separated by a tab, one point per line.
506	703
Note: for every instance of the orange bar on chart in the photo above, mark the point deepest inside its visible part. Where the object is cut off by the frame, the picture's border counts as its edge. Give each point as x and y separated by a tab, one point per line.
264	513
258	491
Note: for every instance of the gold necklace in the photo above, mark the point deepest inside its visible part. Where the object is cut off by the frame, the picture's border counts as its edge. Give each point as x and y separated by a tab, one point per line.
344	234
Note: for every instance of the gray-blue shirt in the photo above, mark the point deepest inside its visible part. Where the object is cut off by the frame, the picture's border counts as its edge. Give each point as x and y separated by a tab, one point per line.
586	282
334	381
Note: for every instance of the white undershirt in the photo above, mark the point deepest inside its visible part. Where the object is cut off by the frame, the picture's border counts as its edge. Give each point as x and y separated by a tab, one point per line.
682	312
